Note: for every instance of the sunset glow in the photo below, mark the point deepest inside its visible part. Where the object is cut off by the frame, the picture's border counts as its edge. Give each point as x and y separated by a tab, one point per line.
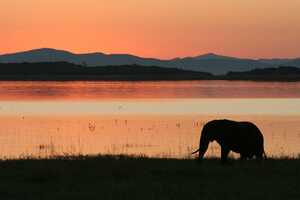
164	29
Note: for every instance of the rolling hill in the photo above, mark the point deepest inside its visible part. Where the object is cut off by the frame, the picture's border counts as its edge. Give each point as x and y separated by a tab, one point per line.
211	63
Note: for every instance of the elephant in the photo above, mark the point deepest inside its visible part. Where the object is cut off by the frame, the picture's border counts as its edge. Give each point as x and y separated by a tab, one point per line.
240	137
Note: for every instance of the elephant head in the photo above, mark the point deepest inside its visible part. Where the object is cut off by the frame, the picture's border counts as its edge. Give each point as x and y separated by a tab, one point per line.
208	134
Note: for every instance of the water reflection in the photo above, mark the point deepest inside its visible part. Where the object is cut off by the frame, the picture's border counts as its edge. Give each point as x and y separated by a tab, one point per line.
78	90
168	135
151	118
154	106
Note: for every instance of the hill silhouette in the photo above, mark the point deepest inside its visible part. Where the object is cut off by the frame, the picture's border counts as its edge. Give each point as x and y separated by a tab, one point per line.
211	63
69	71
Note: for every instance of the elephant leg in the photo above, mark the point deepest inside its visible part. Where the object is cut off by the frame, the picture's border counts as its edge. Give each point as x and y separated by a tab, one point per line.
224	154
259	156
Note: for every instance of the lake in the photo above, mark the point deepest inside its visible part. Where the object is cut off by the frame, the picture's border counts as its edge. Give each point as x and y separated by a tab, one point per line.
157	119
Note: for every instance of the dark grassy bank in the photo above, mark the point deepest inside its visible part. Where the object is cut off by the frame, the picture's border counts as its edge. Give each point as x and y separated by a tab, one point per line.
283	73
63	71
108	177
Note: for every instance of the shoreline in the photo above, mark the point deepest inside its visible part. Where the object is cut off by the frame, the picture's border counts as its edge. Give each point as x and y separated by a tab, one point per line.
133	79
63	71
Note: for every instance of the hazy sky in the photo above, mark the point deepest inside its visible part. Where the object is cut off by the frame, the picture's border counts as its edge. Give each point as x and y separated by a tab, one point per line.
154	28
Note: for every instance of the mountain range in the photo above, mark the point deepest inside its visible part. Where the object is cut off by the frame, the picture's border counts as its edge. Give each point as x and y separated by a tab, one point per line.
212	63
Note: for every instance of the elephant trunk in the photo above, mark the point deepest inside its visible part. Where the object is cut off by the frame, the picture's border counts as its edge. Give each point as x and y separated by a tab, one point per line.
203	147
204	142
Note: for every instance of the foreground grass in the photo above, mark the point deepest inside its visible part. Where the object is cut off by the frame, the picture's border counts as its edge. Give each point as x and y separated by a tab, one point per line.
120	177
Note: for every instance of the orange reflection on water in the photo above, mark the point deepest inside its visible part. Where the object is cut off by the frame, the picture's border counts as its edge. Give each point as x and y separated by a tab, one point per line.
167	135
153	118
89	90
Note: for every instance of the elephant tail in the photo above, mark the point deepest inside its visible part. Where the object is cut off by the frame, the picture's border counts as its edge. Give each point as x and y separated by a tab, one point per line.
196	151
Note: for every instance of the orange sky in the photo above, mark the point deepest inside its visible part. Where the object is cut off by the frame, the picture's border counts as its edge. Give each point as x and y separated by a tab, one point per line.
153	28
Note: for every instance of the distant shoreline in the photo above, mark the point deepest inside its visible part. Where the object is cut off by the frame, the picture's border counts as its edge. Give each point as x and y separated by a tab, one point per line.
135	79
62	71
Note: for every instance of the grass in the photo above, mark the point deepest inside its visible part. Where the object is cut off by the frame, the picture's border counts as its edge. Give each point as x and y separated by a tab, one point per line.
125	177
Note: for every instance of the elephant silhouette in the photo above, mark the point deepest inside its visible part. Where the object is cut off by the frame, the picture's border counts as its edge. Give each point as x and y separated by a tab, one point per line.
240	137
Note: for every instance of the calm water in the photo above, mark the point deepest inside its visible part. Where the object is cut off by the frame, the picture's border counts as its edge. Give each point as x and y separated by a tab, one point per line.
161	119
